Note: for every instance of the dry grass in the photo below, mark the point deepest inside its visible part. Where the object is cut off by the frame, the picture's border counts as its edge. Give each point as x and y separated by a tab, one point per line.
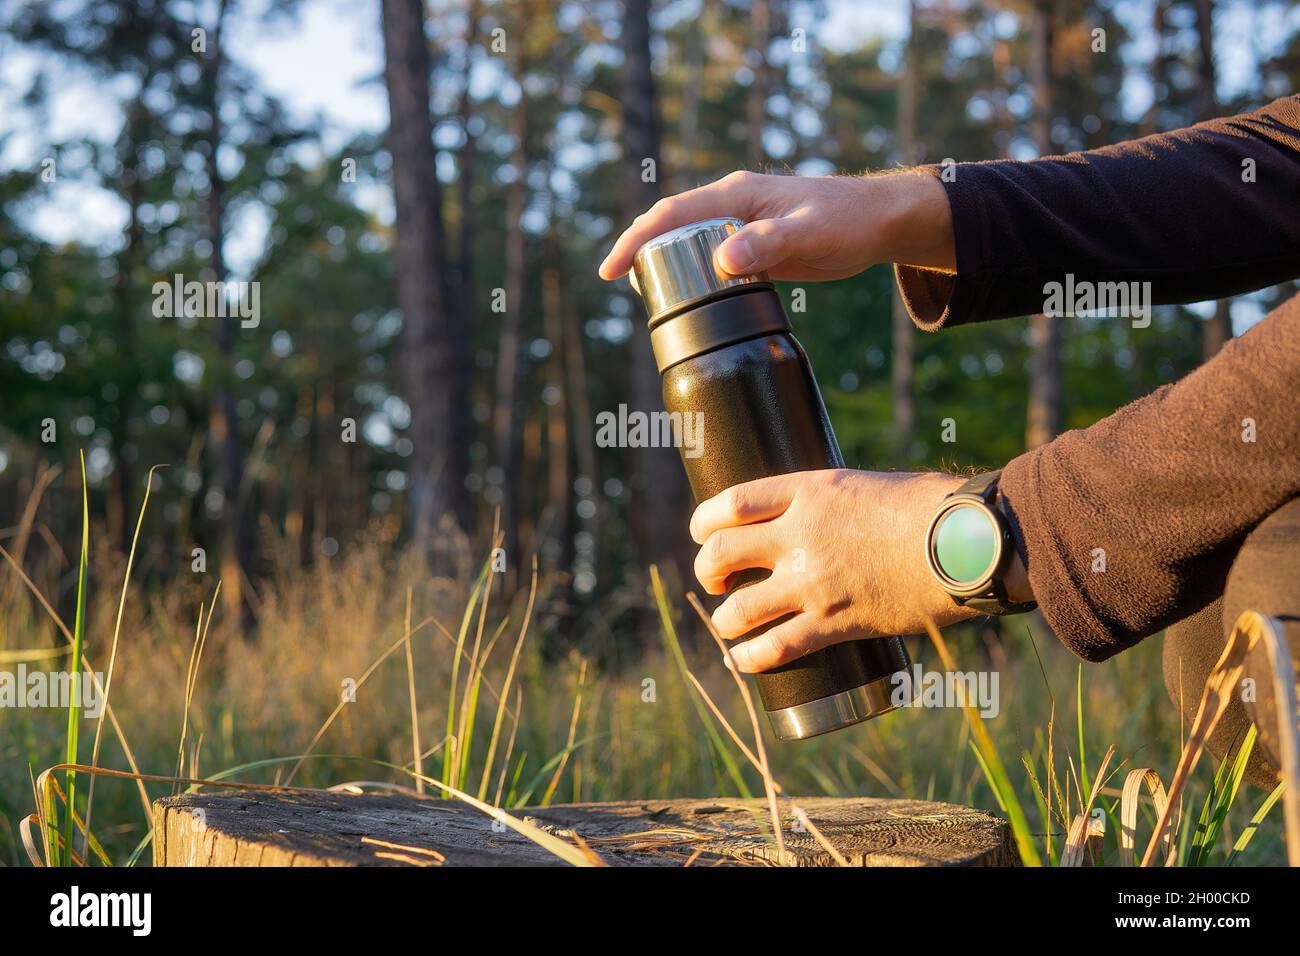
541	727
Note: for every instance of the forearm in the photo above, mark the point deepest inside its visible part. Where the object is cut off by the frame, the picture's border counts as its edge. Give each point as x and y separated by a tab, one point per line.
1133	523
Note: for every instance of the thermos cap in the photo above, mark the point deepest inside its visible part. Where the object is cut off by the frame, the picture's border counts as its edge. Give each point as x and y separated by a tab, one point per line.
679	267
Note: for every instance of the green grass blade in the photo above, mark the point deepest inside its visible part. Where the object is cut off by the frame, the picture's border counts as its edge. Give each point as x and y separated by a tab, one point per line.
451	755
989	777
994	770
512	795
1248	834
675	649
1226	796
545	770
78	644
1078	715
1040	800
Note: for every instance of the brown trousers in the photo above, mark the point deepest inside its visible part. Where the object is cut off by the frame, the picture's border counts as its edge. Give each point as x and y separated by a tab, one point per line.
1265	577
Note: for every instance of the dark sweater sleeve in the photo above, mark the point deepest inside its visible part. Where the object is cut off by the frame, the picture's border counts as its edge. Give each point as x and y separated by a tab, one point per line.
1201	213
1132	524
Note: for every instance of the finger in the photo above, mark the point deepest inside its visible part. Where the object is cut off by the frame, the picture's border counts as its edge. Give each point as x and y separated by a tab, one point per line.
746	503
733	195
786	642
753	606
729	550
759	246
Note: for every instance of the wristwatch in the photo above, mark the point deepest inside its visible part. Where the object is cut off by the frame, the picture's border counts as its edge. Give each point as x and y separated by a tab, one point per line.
969	546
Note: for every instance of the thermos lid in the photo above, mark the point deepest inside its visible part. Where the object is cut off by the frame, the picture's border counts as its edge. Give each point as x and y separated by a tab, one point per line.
678	268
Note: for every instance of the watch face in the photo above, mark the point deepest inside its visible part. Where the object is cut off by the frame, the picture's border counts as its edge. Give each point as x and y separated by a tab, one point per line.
966	544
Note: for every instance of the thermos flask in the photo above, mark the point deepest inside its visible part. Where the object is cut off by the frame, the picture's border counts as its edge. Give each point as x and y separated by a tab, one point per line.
724	348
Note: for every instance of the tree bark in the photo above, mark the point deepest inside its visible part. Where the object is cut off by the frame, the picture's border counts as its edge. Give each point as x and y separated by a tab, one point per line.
1044	418
659	501
434	370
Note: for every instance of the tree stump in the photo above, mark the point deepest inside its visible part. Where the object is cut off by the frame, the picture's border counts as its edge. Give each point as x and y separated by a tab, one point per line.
327	828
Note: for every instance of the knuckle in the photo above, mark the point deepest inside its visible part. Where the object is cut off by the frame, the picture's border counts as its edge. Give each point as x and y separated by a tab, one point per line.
786	645
742	608
737	503
702	566
716	549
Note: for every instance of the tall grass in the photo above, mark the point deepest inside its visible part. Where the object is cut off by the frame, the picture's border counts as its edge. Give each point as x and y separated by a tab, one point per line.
63	852
450	669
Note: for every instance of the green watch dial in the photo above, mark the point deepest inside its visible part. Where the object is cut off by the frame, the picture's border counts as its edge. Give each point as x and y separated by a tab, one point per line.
966	544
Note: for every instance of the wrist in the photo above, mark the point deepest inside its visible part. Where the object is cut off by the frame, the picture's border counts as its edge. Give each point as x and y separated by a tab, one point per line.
1016	581
1016	577
915	220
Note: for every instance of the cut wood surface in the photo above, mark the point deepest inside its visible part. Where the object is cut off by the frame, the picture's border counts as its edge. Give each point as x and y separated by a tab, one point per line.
326	828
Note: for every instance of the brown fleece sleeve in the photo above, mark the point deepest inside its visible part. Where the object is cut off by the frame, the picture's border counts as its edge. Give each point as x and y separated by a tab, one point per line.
1131	524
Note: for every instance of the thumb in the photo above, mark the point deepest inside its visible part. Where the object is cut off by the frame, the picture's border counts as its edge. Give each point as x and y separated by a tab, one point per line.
757	246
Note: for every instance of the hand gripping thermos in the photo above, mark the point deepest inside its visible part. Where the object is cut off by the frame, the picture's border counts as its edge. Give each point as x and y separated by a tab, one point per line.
723	346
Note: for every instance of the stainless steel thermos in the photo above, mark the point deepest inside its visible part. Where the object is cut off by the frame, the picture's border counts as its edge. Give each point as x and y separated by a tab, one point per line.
723	346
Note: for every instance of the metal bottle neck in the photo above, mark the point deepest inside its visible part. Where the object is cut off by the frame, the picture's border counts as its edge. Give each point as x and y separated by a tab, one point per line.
733	315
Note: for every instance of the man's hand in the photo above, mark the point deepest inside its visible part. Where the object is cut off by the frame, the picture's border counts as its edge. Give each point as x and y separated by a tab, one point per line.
847	555
808	227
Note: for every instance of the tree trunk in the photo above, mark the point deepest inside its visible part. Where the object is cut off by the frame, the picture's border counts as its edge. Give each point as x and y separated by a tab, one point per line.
505	417
1044	418
761	24
902	364
659	501
584	443
465	181
688	130
134	133
467	167
559	481
224	426
1217	329
1150	123
434	371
